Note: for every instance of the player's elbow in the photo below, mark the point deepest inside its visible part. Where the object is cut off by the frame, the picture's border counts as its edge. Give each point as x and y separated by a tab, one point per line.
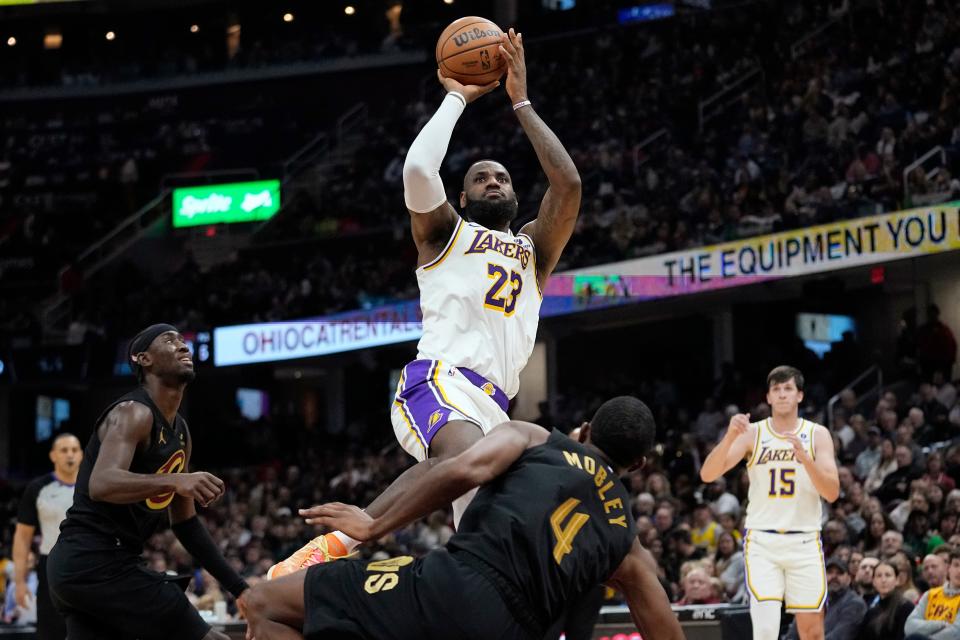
569	184
97	488
832	494
415	171
478	476
707	475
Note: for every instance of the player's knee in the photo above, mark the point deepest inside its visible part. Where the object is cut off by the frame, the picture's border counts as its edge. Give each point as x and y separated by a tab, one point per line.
810	626
765	618
257	601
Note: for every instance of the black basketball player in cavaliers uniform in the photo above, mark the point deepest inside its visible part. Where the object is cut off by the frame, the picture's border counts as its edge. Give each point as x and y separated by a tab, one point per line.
133	480
550	521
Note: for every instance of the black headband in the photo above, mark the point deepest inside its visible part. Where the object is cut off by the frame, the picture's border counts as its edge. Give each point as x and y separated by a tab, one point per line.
141	342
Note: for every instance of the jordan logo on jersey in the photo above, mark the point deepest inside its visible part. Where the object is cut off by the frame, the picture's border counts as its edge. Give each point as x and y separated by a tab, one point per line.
485	241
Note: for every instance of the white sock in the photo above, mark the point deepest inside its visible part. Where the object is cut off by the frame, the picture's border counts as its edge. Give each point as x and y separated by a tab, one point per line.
765	617
347	541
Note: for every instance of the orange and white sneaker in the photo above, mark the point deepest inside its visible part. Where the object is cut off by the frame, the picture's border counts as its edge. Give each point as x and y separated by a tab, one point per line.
325	548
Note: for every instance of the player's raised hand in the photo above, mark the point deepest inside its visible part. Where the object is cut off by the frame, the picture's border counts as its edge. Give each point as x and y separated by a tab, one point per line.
470	92
351	520
203	487
511	48
739	424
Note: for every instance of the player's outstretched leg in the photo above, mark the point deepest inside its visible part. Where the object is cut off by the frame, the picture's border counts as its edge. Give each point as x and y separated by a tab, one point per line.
454	438
275	609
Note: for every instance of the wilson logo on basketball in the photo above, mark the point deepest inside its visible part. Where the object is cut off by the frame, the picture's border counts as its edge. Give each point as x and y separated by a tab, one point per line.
467	36
173	465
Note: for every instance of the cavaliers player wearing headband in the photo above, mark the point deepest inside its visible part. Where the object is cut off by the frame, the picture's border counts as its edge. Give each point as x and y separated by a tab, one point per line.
134	480
480	290
792	466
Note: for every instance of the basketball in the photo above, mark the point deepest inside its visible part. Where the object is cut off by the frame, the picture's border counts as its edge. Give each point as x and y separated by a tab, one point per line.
468	51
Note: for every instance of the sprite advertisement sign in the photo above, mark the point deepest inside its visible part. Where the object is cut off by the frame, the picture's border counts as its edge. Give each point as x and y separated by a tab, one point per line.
234	202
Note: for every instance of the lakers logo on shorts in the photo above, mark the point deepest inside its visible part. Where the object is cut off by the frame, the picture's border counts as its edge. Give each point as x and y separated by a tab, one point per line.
173	465
488	388
435	417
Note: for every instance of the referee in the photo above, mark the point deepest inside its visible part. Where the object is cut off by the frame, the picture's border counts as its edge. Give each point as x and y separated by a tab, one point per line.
44	504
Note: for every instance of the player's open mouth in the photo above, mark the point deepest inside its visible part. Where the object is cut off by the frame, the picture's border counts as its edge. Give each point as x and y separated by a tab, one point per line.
496	194
187	360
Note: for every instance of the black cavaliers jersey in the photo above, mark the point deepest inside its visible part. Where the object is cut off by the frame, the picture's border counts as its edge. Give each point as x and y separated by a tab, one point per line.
555	525
129	524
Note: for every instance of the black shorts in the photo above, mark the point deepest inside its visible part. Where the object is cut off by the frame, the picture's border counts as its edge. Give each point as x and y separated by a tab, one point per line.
404	599
109	595
50	624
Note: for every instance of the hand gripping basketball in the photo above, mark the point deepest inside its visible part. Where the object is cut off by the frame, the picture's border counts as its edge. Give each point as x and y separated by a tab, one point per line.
511	48
470	92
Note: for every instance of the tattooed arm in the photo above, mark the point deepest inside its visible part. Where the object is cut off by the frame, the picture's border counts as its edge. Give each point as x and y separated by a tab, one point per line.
561	203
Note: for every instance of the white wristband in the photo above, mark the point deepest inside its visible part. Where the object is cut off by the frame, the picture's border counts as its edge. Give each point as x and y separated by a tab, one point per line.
521	104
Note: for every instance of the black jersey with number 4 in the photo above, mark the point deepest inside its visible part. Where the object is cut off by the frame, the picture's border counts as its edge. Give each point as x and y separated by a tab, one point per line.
552	527
129	524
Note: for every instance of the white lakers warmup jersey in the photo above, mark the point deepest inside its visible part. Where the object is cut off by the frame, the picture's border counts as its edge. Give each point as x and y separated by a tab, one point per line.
481	304
782	496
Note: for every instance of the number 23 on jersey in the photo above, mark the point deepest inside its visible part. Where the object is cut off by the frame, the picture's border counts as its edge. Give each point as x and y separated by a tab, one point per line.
500	297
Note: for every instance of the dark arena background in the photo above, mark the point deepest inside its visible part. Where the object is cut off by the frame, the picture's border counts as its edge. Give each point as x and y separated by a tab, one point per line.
763	183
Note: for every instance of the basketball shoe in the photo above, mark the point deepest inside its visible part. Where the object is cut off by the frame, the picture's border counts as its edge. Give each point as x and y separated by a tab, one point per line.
325	548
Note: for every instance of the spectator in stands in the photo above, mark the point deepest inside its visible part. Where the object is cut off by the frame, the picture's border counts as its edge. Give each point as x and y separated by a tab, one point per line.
905	574
887	613
863	581
934	570
663	518
730	568
699	588
896	486
721	501
834	534
869	459
845	609
705	532
935	615
890	543
885	466
679	548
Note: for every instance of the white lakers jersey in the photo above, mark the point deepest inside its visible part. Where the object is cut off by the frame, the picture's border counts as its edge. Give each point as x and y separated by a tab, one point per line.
782	496
481	304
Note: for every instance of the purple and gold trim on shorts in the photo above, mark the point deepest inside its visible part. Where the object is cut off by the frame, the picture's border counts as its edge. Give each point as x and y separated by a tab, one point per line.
425	406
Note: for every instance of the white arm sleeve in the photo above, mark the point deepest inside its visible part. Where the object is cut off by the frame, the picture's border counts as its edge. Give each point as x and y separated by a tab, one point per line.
422	187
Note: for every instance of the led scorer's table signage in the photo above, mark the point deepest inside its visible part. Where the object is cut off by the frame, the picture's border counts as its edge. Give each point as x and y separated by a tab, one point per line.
225	203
